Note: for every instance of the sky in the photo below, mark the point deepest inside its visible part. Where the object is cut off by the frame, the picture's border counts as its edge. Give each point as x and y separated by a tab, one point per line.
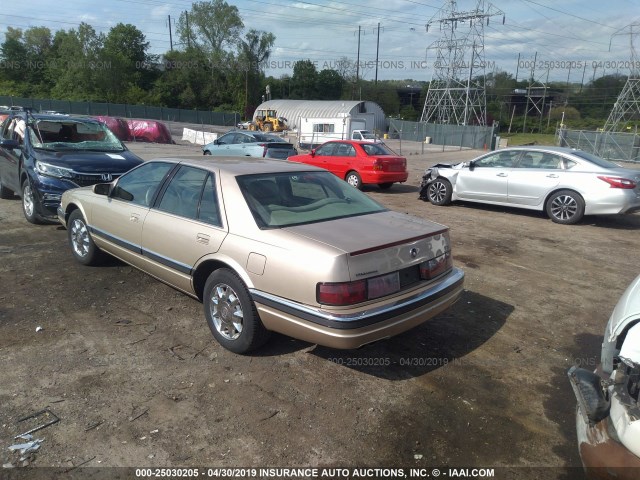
555	40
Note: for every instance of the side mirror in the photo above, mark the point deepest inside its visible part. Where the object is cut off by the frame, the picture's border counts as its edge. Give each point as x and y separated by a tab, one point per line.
102	189
9	144
216	142
313	152
472	166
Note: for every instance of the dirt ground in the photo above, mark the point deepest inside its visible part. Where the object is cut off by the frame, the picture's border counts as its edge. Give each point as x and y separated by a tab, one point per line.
132	371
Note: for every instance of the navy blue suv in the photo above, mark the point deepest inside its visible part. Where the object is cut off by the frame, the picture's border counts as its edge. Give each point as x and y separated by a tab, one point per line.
42	156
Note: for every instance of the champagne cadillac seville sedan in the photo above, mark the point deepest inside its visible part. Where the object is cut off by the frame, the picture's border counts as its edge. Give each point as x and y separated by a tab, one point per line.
268	245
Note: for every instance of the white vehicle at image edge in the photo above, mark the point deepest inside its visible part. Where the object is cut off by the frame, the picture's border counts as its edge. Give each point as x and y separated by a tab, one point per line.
565	183
608	414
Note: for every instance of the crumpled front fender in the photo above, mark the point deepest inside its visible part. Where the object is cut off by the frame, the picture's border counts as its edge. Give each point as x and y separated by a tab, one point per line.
448	171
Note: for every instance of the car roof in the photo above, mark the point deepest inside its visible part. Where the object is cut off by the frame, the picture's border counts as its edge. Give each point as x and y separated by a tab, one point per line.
242	165
545	148
59	117
355	142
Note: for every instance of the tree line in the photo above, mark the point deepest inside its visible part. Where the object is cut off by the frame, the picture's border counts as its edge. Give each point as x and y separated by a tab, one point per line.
217	64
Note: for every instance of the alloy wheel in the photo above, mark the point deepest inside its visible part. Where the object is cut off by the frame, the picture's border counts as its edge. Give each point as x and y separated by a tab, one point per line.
437	192
27	201
80	240
226	311
564	207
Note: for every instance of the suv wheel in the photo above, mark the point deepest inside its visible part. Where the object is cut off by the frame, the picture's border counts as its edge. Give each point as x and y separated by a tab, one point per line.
29	203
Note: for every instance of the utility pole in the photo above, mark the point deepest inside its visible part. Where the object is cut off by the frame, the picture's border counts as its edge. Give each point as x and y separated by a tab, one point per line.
377	51
170	36
188	31
358	62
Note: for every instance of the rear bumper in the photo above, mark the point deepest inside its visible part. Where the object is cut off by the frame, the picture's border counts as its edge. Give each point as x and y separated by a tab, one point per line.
356	329
603	456
384	177
616	201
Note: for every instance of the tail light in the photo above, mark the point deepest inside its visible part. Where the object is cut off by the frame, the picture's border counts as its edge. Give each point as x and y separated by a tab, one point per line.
618	182
436	266
346	293
378	165
264	151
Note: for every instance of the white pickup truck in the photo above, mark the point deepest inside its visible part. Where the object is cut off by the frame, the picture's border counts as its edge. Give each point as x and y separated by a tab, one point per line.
364	136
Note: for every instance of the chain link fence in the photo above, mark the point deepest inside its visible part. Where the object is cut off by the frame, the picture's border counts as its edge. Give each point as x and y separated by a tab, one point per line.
610	145
463	136
146	112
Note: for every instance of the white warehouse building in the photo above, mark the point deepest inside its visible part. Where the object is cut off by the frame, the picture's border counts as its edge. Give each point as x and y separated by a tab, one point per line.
317	121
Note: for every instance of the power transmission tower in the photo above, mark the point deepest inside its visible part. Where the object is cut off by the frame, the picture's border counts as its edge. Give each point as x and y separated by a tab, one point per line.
457	91
627	106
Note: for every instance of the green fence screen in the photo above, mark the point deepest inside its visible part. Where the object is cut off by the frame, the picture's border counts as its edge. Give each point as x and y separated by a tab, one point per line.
146	112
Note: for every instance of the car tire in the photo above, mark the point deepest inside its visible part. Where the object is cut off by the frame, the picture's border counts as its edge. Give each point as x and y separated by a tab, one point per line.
231	314
83	248
565	207
5	193
385	186
353	179
439	191
29	203
206	152
268	127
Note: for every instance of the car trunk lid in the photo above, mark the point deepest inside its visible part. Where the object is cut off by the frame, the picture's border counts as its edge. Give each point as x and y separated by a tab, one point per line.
381	243
391	164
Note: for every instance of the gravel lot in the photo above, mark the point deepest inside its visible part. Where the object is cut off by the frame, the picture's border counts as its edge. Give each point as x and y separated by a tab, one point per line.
132	371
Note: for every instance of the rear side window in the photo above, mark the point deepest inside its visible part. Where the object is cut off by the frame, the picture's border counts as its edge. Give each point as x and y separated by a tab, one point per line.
544	160
345	150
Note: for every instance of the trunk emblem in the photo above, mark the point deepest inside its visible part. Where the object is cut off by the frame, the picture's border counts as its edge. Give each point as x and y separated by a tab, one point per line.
414	252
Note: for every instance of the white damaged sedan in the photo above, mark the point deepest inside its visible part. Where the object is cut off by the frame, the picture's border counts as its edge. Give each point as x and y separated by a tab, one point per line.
608	414
564	182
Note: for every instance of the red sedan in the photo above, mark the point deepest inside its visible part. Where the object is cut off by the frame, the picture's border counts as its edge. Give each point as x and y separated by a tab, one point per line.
358	162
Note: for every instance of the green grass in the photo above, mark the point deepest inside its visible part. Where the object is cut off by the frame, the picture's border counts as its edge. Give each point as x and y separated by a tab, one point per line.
516	139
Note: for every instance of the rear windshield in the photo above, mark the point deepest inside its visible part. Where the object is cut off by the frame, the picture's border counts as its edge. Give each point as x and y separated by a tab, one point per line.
279	200
376	149
601	162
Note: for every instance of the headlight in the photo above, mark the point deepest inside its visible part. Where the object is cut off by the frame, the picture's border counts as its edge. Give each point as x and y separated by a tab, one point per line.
53	171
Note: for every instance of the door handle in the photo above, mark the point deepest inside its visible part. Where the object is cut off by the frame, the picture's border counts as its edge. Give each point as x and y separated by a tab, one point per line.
203	238
501	174
552	175
134	217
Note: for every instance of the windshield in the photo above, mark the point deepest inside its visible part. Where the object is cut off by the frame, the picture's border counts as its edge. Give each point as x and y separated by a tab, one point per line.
376	149
279	200
601	162
72	134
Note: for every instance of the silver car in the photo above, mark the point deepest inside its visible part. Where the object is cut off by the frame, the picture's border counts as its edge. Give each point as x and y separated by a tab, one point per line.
565	183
